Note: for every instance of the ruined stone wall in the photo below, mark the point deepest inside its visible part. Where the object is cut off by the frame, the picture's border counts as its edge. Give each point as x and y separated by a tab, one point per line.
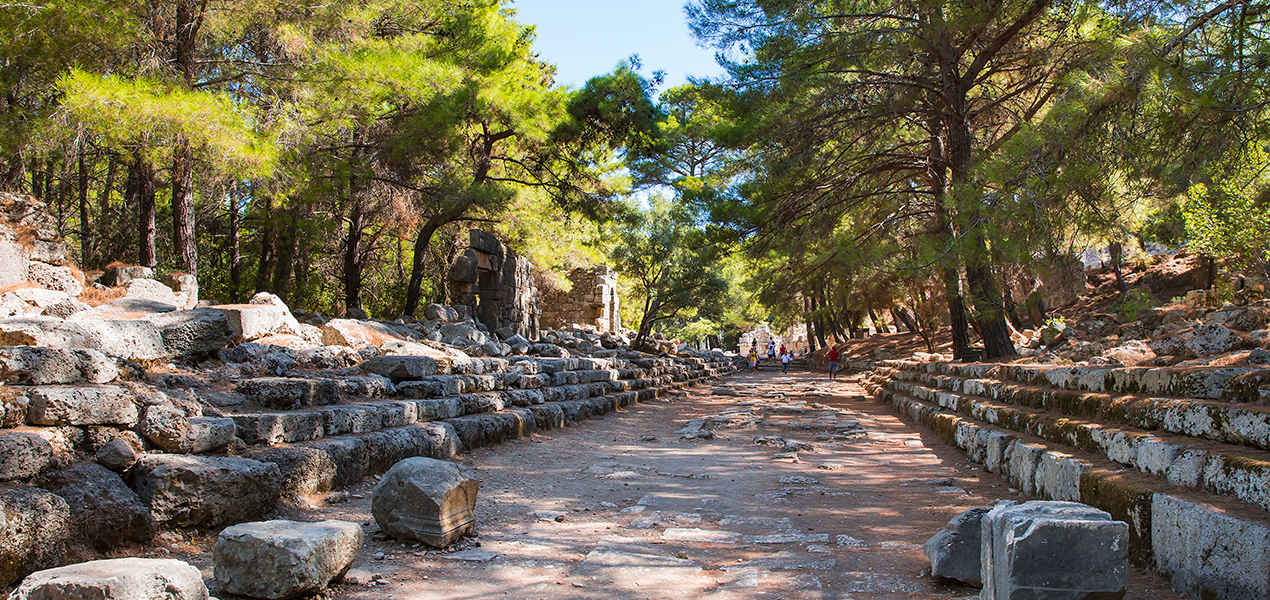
497	284
592	301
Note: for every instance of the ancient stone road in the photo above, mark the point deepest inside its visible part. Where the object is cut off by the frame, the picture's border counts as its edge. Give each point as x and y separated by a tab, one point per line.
760	485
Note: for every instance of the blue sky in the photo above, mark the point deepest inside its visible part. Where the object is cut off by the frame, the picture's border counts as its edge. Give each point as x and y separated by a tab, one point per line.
585	38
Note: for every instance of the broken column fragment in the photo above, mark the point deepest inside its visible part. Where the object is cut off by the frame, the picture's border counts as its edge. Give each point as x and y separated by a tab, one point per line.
1053	550
427	500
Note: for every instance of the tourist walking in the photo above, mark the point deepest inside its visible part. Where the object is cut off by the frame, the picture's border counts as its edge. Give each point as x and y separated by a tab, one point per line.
753	358
771	350
785	358
833	362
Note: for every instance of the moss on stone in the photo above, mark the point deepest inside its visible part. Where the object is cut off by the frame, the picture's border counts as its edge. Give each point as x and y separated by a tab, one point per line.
1126	501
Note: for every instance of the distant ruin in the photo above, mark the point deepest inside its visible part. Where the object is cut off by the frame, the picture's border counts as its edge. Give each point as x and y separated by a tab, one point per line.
592	301
498	286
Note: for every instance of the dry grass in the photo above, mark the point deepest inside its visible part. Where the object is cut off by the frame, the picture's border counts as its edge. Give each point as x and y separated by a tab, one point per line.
18	286
95	297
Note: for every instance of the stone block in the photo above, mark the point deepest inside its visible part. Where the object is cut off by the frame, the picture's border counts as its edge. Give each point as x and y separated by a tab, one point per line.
130	339
1058	476
401	368
34	365
117	579
1021	462
277	560
357	334
13	264
193	332
424	499
267	428
954	551
204	491
23	455
81	405
34	528
1044	549
1208	553
118	275
51	277
286	393
173	432
254	321
102	508
117	455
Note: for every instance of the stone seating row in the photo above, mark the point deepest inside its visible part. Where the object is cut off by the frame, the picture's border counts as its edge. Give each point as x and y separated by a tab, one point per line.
1211	539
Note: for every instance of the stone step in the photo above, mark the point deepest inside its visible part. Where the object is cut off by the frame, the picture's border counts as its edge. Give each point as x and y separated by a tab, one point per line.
1215	467
1240	424
436	402
328	463
1228	384
1207	545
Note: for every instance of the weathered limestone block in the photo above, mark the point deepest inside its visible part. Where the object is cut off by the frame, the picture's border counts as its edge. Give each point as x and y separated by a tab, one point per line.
1058	476
259	319
35	365
285	393
118	455
1207	553
117	579
204	491
184	287
131	339
13	264
50	277
357	334
23	455
118	275
954	551
172	431
197	331
1052	550
276	560
102	507
150	289
81	405
268	428
427	500
401	368
34	528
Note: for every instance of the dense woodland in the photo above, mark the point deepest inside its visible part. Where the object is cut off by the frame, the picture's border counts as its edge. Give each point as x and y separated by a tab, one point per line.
860	160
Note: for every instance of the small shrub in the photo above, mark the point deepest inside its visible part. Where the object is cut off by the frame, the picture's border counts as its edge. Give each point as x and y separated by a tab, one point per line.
1130	305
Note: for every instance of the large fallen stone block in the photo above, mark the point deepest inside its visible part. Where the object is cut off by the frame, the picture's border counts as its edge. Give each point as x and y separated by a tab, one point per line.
34	527
401	368
118	275
23	455
1052	550
34	365
954	551
357	334
427	500
284	559
286	393
102	508
116	579
81	405
204	491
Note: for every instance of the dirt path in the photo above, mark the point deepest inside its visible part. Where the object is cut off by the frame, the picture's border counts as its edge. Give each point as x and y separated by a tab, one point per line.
625	507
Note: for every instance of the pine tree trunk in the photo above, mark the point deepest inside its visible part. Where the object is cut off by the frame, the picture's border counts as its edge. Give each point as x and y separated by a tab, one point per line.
268	240
235	250
141	193
85	241
184	246
352	255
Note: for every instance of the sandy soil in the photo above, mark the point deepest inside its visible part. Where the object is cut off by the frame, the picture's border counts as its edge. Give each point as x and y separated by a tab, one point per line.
624	507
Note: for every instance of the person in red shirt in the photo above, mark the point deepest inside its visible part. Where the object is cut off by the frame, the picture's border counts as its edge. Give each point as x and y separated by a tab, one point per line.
833	362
